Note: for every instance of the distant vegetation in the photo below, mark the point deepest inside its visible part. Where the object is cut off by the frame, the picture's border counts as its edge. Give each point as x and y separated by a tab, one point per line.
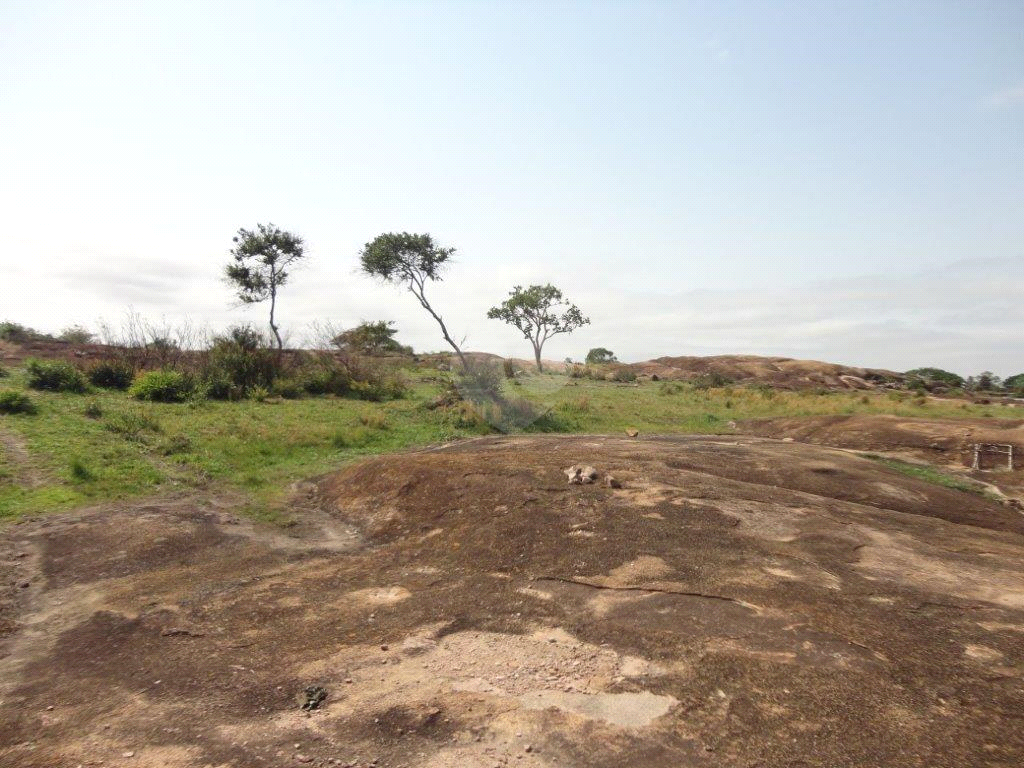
934	376
214	418
370	338
600	356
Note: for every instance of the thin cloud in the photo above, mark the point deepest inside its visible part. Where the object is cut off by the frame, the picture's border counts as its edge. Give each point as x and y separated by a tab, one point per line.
1008	97
717	48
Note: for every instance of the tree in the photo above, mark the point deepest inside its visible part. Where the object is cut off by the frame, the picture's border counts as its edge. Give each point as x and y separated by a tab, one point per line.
369	338
260	267
538	313
937	376
76	334
1015	383
986	381
409	260
600	355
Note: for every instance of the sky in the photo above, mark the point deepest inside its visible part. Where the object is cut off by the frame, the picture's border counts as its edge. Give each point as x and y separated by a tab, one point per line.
827	180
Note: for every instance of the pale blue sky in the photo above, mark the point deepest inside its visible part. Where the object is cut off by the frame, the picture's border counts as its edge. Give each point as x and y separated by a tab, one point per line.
842	181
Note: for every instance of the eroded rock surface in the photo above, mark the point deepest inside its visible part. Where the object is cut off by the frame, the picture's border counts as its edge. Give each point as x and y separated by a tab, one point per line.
735	603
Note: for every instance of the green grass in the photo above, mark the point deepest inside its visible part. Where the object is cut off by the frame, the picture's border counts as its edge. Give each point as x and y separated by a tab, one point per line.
109	446
932	475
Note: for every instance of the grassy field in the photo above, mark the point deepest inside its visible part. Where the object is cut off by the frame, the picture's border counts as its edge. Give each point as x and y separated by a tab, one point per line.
89	448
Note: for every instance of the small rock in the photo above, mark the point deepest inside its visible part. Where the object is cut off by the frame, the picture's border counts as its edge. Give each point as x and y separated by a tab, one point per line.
23	584
127	754
304	758
383	647
633	432
528	748
611	482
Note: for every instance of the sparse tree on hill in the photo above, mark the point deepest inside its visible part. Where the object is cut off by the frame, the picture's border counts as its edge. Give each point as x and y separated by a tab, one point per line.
369	338
409	260
260	267
539	312
76	334
600	356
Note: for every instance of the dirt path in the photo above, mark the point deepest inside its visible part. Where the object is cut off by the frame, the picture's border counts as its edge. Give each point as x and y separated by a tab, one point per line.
17	461
739	602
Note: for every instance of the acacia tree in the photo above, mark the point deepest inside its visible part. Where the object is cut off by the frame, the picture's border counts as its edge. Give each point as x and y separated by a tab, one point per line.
260	267
409	260
539	312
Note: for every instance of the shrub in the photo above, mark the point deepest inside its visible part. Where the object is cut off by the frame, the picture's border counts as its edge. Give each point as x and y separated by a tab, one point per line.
112	374
289	388
93	410
623	374
480	381
325	377
80	471
76	334
354	437
55	376
710	381
670	388
577	371
12	401
3	372
19	334
379	386
259	394
509	367
579	405
175	444
164	386
238	363
373	420
133	424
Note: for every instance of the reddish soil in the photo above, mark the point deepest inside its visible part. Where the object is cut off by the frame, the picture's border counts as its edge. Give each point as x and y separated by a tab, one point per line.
937	440
779	372
738	602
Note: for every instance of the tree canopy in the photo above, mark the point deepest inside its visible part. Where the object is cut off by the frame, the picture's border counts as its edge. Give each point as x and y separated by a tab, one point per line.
369	338
260	266
599	355
539	312
409	260
938	376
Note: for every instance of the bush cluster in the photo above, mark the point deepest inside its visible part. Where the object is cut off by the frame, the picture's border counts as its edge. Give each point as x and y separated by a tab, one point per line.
12	401
237	363
615	372
113	373
710	381
55	376
163	386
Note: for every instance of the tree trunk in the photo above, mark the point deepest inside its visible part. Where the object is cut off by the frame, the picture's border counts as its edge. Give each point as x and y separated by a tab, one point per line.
536	354
273	302
422	297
